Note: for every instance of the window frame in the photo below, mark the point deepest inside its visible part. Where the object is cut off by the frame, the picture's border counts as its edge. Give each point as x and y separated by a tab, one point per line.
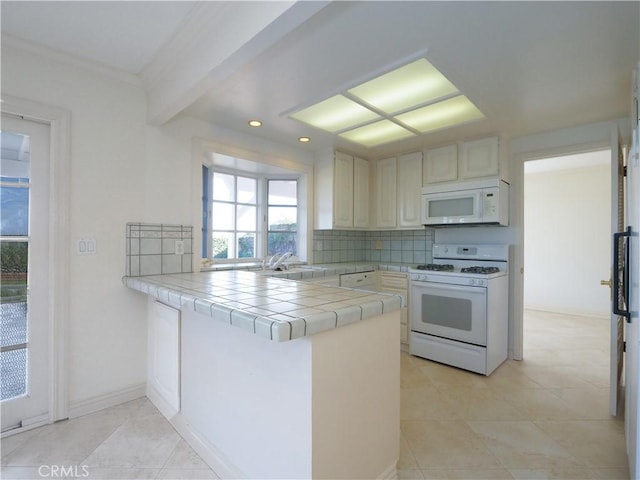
261	245
267	231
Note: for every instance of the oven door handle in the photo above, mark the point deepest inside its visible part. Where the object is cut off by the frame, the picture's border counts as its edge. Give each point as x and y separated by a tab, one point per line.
448	287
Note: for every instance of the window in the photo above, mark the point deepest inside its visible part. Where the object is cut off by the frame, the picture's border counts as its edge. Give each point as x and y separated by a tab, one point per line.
246	217
234	216
282	216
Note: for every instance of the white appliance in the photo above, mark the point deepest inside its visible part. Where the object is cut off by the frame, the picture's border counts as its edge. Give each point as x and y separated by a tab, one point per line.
459	307
474	202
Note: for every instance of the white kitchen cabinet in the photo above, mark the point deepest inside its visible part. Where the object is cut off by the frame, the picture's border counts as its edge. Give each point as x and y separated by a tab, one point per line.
386	193
479	158
361	183
397	282
409	190
342	192
398	183
163	357
440	164
466	160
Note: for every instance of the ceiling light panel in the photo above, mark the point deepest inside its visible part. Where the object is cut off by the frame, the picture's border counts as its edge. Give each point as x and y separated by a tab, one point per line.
410	86
445	114
335	114
377	133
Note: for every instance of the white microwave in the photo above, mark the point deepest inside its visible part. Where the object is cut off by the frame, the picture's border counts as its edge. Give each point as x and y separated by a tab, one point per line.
473	202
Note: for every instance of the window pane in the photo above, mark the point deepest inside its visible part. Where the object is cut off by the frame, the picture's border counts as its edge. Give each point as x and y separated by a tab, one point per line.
283	192
246	245
224	187
14	211
283	218
246	218
222	216
281	243
247	191
220	244
13	364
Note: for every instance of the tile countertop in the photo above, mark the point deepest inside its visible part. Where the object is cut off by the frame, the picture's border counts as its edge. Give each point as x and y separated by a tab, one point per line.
272	307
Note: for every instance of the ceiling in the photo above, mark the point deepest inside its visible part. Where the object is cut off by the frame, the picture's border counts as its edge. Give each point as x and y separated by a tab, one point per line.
528	66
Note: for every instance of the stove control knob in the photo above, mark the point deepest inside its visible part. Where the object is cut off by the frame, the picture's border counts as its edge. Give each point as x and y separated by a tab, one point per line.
472	281
481	282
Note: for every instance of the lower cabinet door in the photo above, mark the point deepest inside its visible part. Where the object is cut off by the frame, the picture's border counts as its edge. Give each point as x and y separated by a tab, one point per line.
163	360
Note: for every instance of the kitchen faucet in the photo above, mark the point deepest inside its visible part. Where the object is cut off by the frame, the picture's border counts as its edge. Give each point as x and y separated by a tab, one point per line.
276	261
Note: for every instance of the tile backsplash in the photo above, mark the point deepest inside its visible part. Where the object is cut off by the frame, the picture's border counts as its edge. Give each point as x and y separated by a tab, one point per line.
153	249
396	246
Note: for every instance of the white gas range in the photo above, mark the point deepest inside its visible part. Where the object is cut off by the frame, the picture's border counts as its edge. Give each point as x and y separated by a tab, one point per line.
459	307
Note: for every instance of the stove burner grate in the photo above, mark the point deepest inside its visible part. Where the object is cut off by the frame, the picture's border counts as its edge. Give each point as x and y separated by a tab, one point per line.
481	270
436	267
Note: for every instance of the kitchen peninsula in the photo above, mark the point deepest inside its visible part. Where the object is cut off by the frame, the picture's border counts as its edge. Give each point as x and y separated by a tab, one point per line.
269	377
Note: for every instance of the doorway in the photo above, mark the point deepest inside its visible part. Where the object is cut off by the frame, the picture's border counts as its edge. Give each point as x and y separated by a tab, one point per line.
567	252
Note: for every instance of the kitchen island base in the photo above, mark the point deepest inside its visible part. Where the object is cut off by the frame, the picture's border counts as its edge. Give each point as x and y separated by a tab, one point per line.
321	406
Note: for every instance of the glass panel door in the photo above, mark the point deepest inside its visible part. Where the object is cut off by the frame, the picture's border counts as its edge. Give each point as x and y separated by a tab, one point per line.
24	327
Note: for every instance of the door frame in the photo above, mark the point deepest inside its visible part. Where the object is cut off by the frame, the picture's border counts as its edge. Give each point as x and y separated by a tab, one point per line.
59	121
583	139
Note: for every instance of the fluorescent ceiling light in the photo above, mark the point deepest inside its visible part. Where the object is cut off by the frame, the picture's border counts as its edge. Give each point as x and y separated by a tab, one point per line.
447	113
414	84
377	133
335	114
410	100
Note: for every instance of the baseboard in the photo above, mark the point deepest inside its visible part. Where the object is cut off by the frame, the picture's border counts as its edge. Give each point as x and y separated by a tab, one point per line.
100	402
205	449
160	403
391	473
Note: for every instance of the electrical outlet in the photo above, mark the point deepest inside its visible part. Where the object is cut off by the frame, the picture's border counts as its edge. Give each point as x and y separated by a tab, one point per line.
86	246
179	250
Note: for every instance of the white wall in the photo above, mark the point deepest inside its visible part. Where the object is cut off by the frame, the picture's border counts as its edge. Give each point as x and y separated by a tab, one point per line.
567	238
121	170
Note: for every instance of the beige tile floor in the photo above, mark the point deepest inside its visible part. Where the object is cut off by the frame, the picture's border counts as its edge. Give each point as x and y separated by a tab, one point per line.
543	418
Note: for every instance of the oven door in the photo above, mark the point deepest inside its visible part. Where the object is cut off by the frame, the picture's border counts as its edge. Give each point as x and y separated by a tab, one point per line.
455	312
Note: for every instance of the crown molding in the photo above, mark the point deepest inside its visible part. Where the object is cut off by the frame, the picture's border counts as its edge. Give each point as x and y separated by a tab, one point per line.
9	41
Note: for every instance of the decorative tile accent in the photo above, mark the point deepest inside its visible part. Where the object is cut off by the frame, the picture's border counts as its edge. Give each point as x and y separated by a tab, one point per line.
151	249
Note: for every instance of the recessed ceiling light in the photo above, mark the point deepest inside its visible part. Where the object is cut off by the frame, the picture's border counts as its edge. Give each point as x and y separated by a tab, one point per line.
304	139
255	123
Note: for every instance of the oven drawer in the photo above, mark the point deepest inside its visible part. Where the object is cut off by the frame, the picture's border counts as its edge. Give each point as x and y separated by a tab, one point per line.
461	355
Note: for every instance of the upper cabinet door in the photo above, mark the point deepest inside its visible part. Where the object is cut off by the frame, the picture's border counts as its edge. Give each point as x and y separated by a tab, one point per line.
361	181
440	165
409	189
343	190
386	193
479	158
